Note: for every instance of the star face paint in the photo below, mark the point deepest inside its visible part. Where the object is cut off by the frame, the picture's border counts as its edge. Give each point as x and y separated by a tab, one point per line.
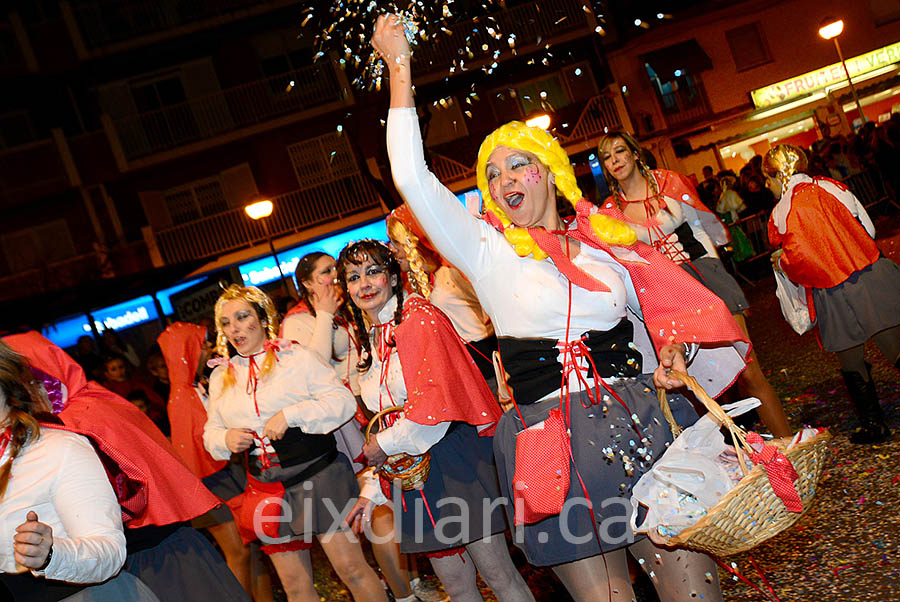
516	180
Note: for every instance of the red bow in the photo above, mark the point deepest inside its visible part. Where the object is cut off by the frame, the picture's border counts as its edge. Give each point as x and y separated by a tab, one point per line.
780	470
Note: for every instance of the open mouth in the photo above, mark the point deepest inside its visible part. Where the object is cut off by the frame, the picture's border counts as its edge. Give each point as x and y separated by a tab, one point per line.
514	199
239	341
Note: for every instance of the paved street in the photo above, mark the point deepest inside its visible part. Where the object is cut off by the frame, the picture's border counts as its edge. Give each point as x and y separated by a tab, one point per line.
845	548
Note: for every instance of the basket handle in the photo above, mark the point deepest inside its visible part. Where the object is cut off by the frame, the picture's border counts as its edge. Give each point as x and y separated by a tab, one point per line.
738	435
379	415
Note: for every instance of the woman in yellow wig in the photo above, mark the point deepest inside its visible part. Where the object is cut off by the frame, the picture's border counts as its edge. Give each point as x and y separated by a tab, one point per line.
588	322
279	404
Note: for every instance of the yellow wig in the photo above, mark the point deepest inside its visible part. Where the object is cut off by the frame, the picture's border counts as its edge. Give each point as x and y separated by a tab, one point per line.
546	148
255	297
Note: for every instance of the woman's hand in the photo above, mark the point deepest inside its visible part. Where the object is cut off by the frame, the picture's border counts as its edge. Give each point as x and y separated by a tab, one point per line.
32	542
276	427
658	539
329	300
360	515
375	456
671	357
390	41
775	258
238	440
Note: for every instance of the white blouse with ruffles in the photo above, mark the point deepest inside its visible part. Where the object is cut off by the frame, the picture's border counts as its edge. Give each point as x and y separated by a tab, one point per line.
301	385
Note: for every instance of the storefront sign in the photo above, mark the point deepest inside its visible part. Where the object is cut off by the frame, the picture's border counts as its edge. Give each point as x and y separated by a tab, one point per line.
263	270
826	76
196	302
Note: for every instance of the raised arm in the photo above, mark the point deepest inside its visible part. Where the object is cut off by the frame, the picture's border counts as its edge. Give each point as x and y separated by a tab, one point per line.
459	236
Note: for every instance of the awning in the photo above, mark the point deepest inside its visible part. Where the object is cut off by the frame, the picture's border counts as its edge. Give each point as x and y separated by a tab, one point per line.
686	57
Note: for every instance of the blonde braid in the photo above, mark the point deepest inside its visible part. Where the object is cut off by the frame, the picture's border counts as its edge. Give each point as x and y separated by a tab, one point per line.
418	277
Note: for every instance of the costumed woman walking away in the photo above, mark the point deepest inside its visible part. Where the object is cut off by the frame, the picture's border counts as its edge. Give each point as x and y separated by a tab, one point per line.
566	302
185	350
827	244
280	403
666	213
322	323
413	359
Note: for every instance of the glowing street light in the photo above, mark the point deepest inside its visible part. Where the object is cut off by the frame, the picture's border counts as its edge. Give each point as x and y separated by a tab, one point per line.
830	29
541	121
259	211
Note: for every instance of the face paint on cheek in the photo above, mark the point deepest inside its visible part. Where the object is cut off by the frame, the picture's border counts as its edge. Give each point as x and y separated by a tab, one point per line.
532	175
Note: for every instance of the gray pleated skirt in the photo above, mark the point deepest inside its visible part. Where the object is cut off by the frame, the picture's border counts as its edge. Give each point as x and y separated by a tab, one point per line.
319	504
224	484
713	275
602	436
863	305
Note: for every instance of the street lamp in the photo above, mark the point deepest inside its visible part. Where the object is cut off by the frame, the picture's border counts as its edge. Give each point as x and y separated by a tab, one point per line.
830	30
541	121
259	211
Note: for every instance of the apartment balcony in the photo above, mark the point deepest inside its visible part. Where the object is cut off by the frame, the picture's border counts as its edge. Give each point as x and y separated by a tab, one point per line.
598	115
35	170
75	271
294	212
108	26
685	106
533	25
248	109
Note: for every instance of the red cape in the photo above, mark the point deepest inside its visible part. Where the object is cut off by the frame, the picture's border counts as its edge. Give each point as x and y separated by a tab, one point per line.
823	243
153	485
182	345
442	381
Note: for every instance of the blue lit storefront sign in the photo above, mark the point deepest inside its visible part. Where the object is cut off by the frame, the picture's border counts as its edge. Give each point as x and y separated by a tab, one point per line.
264	270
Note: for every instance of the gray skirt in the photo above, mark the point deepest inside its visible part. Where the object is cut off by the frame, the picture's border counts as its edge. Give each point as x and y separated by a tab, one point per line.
863	305
319	504
713	275
610	457
224	484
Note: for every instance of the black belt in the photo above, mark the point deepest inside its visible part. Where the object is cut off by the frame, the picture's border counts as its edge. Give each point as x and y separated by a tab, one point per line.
310	471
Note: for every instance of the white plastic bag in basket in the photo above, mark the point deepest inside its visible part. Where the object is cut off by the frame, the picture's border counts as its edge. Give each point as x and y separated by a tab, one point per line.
691	476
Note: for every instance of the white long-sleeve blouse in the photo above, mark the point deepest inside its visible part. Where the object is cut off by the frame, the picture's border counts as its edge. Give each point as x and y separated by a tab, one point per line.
301	385
61	479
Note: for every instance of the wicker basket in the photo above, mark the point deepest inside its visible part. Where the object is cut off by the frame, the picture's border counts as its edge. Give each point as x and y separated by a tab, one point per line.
750	513
411	470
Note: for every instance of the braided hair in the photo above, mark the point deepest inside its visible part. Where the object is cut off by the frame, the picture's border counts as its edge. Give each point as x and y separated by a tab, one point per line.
417	254
356	253
24	400
634	146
